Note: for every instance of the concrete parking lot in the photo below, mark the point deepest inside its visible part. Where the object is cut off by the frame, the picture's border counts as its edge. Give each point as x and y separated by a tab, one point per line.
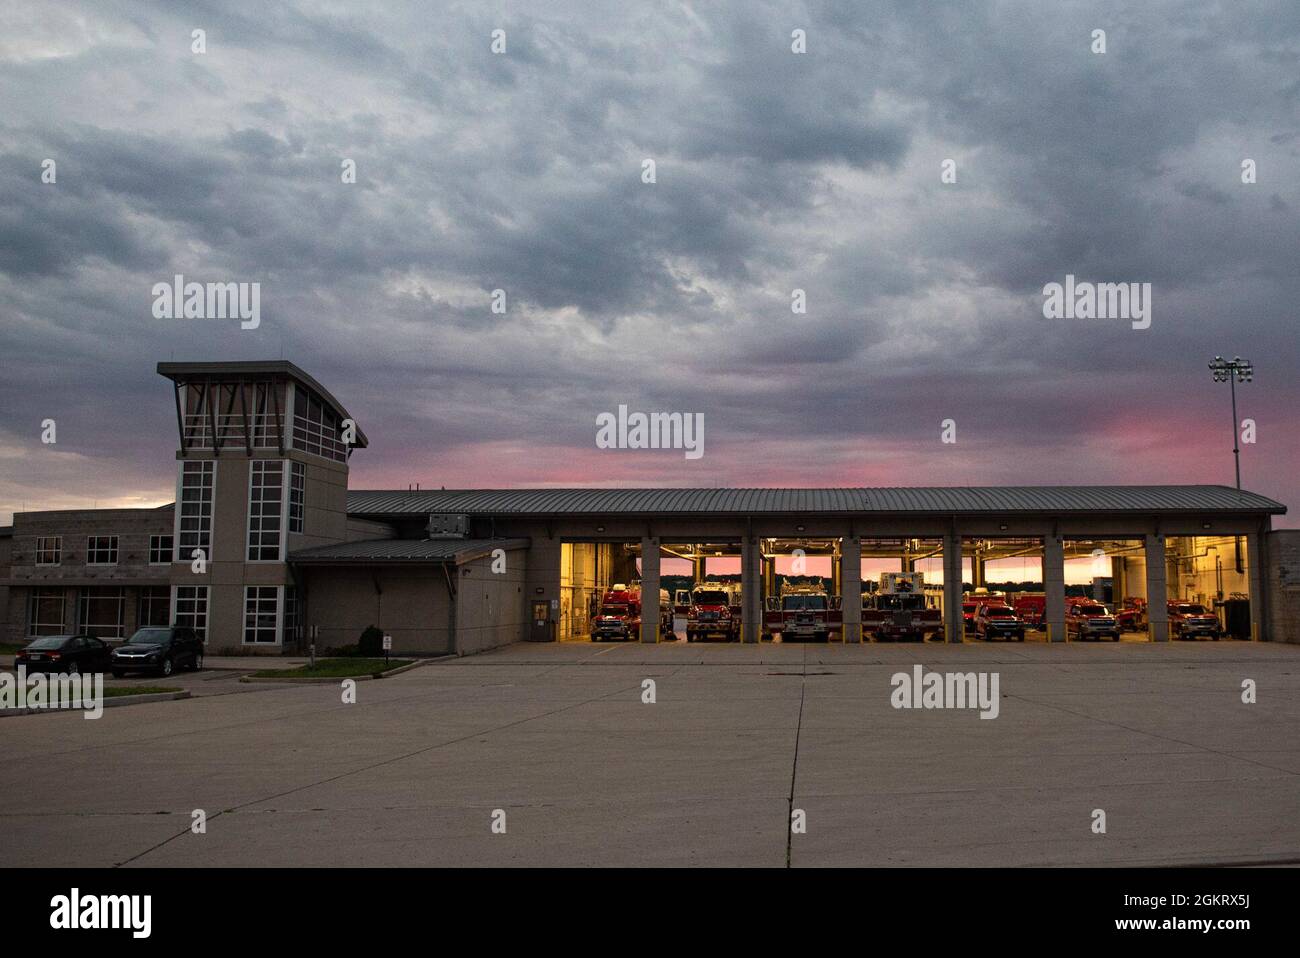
557	737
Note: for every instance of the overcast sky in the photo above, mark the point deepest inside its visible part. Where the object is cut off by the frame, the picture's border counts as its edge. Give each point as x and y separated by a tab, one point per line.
775	170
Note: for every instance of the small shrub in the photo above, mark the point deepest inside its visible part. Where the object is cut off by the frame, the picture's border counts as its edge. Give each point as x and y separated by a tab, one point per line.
371	644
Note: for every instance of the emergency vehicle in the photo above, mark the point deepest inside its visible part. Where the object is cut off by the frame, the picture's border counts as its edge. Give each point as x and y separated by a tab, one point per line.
714	611
900	608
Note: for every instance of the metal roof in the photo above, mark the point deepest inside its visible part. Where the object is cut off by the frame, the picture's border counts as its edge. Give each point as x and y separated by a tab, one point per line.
942	500
404	550
278	368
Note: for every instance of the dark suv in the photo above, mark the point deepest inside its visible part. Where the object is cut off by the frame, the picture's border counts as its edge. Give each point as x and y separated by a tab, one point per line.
158	649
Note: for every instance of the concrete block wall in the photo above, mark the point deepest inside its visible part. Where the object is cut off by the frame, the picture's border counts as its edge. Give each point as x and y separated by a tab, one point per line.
133	528
1282	574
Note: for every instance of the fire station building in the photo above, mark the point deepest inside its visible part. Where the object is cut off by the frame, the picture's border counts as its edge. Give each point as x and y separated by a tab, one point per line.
266	549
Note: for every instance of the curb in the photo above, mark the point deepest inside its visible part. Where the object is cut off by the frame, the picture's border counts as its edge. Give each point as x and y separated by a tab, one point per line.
337	679
107	703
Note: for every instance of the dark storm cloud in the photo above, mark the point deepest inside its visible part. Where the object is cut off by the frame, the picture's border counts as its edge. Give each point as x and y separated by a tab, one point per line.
775	171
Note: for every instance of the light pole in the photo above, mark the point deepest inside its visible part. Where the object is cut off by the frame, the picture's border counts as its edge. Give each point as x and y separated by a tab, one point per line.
1235	370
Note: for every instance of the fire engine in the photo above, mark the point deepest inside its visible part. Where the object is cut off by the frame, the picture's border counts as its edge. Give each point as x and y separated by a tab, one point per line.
620	613
900	608
1030	608
714	611
802	611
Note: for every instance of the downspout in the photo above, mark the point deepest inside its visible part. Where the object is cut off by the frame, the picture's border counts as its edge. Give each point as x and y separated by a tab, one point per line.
452	639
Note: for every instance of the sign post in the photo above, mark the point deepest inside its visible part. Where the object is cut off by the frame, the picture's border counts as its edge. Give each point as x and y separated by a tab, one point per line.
388	645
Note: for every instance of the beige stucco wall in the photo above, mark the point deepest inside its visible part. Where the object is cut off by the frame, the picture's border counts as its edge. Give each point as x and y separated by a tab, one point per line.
491	608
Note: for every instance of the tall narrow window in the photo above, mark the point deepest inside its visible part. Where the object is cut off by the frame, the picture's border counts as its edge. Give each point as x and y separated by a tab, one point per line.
297	495
261	605
192	608
265	504
292	615
194	515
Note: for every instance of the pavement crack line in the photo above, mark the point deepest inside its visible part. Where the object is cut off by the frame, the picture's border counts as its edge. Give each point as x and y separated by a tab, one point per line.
794	767
375	765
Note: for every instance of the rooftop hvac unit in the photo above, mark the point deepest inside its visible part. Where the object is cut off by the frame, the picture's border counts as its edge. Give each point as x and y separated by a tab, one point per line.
442	526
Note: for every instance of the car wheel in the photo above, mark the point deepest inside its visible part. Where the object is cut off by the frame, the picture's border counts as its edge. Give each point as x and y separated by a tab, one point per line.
166	666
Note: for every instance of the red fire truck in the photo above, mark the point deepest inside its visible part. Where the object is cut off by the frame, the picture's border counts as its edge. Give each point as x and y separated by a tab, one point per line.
1030	608
714	612
801	611
900	609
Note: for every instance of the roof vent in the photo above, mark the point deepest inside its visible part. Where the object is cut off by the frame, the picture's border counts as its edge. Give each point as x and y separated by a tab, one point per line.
447	526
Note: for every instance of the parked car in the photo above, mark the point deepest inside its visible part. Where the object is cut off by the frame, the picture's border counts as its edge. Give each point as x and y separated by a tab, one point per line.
68	654
160	650
1188	620
1090	620
997	621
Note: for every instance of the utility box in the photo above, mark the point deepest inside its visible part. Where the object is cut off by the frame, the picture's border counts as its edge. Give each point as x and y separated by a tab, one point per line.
447	526
1236	618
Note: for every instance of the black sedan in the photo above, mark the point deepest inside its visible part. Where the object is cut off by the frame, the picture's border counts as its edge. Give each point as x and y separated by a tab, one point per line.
158	650
67	654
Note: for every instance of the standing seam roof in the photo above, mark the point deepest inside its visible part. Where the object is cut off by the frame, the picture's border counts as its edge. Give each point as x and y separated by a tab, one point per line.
713	501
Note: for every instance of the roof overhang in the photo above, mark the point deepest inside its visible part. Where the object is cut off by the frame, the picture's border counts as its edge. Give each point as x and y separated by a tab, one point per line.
403	552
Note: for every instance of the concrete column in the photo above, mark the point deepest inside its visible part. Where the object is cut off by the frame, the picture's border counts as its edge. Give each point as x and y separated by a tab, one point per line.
71	612
953	627
751	617
649	589
1118	580
131	611
1054	586
1255	577
977	571
769	575
851	588
697	567
837	575
1157	594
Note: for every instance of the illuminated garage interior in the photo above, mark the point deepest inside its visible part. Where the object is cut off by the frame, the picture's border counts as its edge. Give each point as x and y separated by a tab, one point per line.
1207	571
